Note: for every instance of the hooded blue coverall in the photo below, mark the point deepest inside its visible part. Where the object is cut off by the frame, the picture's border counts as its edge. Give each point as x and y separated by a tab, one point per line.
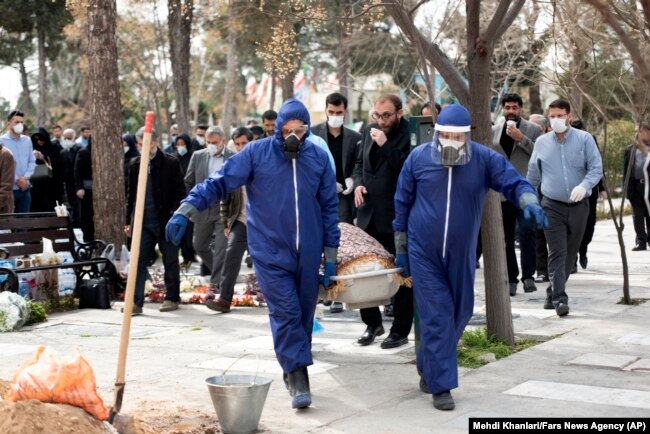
443	277
288	225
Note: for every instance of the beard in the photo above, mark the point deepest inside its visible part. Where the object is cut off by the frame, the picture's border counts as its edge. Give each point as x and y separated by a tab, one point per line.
512	117
387	128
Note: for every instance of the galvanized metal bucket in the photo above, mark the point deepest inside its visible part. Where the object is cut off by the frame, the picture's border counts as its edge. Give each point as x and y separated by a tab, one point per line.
238	401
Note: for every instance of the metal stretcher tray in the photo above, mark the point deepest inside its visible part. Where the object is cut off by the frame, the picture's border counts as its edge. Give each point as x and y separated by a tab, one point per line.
367	289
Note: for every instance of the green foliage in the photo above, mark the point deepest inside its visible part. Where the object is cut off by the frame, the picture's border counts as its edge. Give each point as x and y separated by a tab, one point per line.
620	134
475	343
37	312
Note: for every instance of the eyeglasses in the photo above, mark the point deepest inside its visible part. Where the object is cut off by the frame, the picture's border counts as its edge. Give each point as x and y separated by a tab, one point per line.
384	116
300	130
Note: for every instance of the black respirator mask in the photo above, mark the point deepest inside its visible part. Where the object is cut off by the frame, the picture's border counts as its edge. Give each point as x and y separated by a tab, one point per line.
292	145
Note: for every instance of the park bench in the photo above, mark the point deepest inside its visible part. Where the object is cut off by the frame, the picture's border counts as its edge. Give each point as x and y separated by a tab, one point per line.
25	238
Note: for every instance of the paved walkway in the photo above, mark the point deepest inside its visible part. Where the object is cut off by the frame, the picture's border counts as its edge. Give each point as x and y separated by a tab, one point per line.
597	364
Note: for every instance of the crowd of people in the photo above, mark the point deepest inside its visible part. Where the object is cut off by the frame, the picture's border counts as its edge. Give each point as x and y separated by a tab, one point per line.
279	190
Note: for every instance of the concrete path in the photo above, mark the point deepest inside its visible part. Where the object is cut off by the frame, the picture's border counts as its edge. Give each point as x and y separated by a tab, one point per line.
596	363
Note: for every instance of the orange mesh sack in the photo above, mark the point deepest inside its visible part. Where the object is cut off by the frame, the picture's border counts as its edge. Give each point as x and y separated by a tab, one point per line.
49	377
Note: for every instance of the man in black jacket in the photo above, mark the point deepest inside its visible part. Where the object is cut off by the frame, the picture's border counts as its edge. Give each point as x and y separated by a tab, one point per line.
165	190
636	187
384	149
342	143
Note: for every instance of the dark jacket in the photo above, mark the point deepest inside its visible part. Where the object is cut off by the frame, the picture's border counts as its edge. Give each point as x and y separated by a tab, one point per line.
46	192
630	152
350	140
83	168
230	208
167	185
381	181
129	155
185	159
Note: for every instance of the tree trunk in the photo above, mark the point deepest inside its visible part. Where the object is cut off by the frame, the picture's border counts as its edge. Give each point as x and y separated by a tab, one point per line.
343	68
497	296
42	81
287	85
273	89
180	33
231	64
105	117
578	82
535	97
25	103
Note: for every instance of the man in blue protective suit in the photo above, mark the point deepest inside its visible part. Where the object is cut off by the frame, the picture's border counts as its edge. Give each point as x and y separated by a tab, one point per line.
292	218
438	207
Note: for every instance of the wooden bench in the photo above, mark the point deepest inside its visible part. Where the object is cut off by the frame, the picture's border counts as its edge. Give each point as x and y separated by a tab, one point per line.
25	238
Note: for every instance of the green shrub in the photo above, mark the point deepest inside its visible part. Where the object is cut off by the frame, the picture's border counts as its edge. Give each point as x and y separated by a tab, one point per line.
620	134
36	312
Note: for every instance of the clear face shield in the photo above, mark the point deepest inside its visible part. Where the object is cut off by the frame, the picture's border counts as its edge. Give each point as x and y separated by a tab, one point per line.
451	148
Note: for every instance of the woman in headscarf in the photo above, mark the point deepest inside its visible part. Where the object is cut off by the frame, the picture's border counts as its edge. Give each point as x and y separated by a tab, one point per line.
46	191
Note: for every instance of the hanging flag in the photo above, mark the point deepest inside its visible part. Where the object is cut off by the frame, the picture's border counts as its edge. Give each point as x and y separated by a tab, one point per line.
251	89
261	94
299	87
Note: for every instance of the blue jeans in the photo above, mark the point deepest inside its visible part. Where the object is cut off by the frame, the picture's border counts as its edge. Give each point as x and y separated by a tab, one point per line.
153	234
22	200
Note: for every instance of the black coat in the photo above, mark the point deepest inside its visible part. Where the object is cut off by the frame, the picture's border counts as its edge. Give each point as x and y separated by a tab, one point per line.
381	182
83	167
167	185
46	192
350	139
630	151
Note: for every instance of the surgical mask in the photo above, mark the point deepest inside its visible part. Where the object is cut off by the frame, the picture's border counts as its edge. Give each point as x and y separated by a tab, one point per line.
559	125
335	121
126	149
19	128
182	150
67	143
201	140
292	146
212	149
450	151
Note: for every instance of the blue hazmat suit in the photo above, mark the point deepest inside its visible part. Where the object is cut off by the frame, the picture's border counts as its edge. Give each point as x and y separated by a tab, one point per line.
442	249
288	224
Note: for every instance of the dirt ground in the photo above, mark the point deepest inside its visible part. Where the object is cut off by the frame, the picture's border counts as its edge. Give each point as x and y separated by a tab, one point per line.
155	418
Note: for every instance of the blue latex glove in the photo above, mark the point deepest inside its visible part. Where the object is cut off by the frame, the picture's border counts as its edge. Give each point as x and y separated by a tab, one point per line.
176	228
317	327
533	211
402	261
330	270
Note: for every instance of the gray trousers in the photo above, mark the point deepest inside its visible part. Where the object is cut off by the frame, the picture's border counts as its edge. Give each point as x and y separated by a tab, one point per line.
566	227
237	243
210	244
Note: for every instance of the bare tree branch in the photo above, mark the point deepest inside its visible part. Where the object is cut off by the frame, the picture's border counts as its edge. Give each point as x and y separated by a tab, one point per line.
432	52
508	19
630	44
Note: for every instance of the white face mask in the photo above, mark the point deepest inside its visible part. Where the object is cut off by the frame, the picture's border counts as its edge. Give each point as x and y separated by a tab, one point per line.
212	149
559	125
182	150
452	143
201	140
335	121
126	149
67	143
19	128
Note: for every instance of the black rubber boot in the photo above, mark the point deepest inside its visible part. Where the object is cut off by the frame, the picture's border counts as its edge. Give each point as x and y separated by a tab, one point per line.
299	388
443	401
